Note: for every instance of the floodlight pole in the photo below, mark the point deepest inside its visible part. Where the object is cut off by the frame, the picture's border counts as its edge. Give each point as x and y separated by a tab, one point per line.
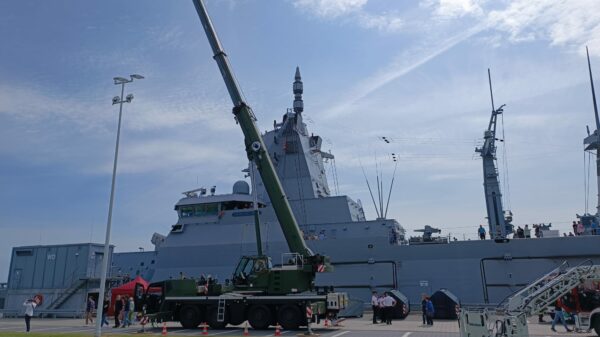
116	100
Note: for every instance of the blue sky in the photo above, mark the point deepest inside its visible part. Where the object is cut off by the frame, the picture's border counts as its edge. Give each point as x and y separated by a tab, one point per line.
414	72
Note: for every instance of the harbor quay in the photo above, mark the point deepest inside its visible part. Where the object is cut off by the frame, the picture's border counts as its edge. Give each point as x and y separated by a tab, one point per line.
352	327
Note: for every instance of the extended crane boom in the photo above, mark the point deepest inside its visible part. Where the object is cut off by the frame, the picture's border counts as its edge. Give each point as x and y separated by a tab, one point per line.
255	146
499	225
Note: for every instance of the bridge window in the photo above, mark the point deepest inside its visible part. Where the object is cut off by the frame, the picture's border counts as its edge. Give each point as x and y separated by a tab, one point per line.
199	210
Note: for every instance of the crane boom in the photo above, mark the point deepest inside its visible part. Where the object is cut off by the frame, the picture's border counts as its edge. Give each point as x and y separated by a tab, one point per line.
255	145
498	224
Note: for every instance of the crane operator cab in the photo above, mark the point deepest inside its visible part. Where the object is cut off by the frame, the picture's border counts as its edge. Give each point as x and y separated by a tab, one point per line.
252	271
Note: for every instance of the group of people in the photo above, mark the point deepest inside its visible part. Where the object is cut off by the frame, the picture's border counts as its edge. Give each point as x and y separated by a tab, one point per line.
124	310
383	306
523	232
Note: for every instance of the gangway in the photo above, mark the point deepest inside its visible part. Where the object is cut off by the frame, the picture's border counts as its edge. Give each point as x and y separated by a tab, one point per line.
510	320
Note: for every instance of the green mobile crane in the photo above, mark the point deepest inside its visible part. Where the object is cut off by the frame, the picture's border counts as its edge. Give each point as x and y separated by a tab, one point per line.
258	292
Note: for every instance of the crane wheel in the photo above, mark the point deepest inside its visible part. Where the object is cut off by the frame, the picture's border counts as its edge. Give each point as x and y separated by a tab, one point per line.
212	314
189	316
260	317
290	317
597	325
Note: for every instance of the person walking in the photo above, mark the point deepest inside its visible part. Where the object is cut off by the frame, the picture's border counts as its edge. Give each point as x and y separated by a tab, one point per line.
375	306
559	316
481	232
126	322
388	305
424	308
89	310
430	311
118	309
29	306
105	306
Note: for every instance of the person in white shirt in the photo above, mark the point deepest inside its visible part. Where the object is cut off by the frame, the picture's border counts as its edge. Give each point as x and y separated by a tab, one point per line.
29	306
388	307
375	306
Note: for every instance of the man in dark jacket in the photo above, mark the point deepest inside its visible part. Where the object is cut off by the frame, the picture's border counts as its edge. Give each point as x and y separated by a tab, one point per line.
105	306
118	309
424	308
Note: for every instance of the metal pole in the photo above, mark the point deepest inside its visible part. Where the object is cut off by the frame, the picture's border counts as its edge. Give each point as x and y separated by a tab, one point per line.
98	332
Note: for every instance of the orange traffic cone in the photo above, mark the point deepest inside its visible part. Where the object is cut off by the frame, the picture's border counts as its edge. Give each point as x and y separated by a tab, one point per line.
277	330
246	333
205	329
164	331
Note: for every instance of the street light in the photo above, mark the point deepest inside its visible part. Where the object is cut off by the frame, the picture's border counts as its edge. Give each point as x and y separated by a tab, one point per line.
116	100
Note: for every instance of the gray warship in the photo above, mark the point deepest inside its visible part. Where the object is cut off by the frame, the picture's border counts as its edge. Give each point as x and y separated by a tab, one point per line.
213	230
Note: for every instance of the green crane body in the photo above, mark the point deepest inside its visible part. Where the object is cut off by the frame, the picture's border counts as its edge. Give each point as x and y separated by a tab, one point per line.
280	280
258	292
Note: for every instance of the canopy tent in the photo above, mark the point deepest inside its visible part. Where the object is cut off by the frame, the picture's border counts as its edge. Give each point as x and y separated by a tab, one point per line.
125	289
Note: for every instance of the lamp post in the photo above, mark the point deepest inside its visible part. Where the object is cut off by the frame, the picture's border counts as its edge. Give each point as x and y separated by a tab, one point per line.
116	100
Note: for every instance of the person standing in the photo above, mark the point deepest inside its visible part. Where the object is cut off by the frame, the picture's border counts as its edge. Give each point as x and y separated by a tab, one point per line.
131	307
388	308
105	306
89	310
375	306
559	317
527	232
29	306
430	311
118	309
424	308
575	227
481	232
580	228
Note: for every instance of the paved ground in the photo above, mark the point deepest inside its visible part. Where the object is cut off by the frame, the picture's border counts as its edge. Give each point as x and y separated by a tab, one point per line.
349	328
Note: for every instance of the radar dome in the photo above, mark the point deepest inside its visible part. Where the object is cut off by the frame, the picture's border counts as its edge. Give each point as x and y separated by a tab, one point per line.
241	187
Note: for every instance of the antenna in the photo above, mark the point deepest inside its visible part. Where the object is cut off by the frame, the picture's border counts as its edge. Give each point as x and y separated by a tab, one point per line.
492	94
593	91
370	191
390	193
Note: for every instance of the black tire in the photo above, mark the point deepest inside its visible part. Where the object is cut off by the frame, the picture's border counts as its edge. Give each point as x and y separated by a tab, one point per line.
189	316
211	318
259	317
596	325
236	314
290	317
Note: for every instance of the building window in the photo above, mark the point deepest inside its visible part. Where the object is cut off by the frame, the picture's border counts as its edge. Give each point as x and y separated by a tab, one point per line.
24	252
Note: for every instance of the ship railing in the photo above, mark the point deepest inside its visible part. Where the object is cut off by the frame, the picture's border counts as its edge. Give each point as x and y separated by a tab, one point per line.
292	261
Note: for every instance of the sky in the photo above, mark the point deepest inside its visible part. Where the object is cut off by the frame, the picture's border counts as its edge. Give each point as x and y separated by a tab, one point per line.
414	72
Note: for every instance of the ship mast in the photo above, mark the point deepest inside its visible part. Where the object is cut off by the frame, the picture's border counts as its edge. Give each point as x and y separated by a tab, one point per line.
592	142
499	227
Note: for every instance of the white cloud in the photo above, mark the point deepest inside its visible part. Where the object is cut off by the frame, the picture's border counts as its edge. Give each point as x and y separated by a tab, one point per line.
563	23
458	8
331	8
353	10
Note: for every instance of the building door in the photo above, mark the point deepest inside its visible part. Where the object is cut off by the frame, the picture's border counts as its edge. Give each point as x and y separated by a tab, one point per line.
16	281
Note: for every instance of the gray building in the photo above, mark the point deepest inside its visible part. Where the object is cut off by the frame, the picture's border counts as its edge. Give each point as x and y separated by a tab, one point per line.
65	275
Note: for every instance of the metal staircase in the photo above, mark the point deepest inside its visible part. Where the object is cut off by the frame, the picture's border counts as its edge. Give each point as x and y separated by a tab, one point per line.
60	300
536	297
